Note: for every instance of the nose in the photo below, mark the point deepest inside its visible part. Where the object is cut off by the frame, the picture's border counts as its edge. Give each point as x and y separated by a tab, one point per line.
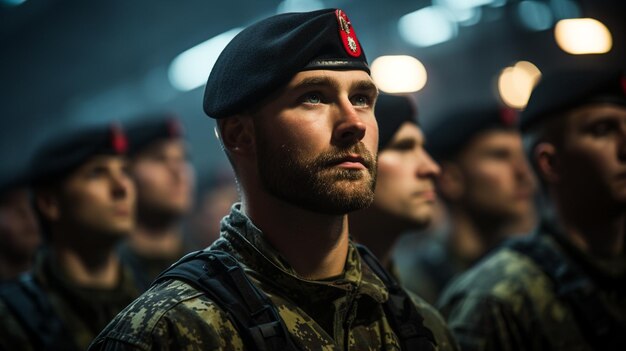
427	167
349	128
121	185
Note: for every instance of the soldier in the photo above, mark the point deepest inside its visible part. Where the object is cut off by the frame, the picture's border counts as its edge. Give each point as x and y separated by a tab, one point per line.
405	190
294	106
19	232
563	287
84	199
164	181
486	187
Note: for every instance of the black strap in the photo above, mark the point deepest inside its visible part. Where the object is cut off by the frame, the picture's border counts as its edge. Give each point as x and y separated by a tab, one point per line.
574	287
220	276
400	310
33	310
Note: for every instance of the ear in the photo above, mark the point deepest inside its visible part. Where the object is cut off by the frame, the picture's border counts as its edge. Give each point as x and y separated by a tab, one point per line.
545	155
236	133
451	183
48	204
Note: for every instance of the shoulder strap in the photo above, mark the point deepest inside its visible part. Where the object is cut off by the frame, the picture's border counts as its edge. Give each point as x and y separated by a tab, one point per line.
32	308
400	310
220	276
601	330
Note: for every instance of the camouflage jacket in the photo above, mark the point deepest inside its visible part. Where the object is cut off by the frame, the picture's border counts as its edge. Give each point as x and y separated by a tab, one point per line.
338	314
82	312
507	302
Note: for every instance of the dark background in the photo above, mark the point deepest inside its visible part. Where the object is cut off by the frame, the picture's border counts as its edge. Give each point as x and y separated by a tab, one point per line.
68	62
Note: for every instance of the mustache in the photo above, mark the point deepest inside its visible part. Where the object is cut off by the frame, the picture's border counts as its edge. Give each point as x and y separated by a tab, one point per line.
337	156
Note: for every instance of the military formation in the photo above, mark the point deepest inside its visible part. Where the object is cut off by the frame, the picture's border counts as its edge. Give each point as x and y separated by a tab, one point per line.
517	219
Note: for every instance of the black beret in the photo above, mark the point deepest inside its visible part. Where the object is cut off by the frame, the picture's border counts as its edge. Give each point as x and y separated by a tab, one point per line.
563	90
62	154
450	132
391	112
148	129
266	55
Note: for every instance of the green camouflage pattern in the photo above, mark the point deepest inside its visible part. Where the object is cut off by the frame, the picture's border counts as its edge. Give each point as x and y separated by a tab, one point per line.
339	314
508	303
84	312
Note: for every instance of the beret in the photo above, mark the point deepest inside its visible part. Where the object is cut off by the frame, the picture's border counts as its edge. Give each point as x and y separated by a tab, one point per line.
266	55
148	129
391	112
563	90
452	131
59	156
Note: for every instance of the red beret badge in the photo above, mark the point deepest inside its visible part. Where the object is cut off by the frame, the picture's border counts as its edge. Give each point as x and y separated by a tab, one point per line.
347	34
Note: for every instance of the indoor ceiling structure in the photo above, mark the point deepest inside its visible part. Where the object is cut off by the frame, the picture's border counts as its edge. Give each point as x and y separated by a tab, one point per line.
69	62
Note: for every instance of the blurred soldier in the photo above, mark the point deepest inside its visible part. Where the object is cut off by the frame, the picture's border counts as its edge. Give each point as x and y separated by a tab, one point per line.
564	287
85	202
164	181
294	103
405	189
486	186
19	232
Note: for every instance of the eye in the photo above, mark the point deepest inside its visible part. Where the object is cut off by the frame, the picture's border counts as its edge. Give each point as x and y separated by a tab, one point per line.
361	100
312	98
404	145
96	172
602	128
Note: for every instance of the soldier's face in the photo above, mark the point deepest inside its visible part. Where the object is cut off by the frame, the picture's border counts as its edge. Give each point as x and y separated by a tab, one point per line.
99	197
405	186
19	232
316	141
496	176
164	179
593	157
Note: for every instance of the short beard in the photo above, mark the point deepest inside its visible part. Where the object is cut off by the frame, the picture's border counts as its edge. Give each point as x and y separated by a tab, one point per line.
317	184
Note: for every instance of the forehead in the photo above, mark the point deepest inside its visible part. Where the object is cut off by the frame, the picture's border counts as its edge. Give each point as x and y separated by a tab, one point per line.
343	79
408	130
495	138
591	111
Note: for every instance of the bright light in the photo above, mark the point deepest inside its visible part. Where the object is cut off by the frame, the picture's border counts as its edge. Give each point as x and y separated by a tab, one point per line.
535	15
517	82
428	26
299	6
583	36
12	2
463	4
191	69
398	74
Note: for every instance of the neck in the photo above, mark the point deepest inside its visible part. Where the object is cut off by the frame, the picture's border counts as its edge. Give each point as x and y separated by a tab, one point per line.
596	230
378	231
470	238
11	268
156	242
314	244
89	268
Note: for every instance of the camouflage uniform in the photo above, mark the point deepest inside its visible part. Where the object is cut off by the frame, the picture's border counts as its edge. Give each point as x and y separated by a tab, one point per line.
507	302
338	314
83	312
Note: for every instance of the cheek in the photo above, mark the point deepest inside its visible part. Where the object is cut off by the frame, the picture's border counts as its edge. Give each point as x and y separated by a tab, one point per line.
149	178
391	178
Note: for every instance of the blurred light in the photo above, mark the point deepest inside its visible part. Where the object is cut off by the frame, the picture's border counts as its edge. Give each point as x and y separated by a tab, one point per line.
583	36
535	15
191	69
398	74
12	2
517	82
498	3
464	12
428	26
563	9
463	4
299	6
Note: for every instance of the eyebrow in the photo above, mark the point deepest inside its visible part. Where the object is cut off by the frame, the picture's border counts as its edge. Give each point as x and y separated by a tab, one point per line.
326	81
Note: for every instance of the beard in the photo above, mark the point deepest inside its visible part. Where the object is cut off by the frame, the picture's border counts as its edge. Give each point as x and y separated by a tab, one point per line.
315	183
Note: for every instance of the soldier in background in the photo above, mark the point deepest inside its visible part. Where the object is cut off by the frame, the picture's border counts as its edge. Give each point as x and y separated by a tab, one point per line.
85	200
486	187
294	104
19	232
405	187
164	180
564	287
